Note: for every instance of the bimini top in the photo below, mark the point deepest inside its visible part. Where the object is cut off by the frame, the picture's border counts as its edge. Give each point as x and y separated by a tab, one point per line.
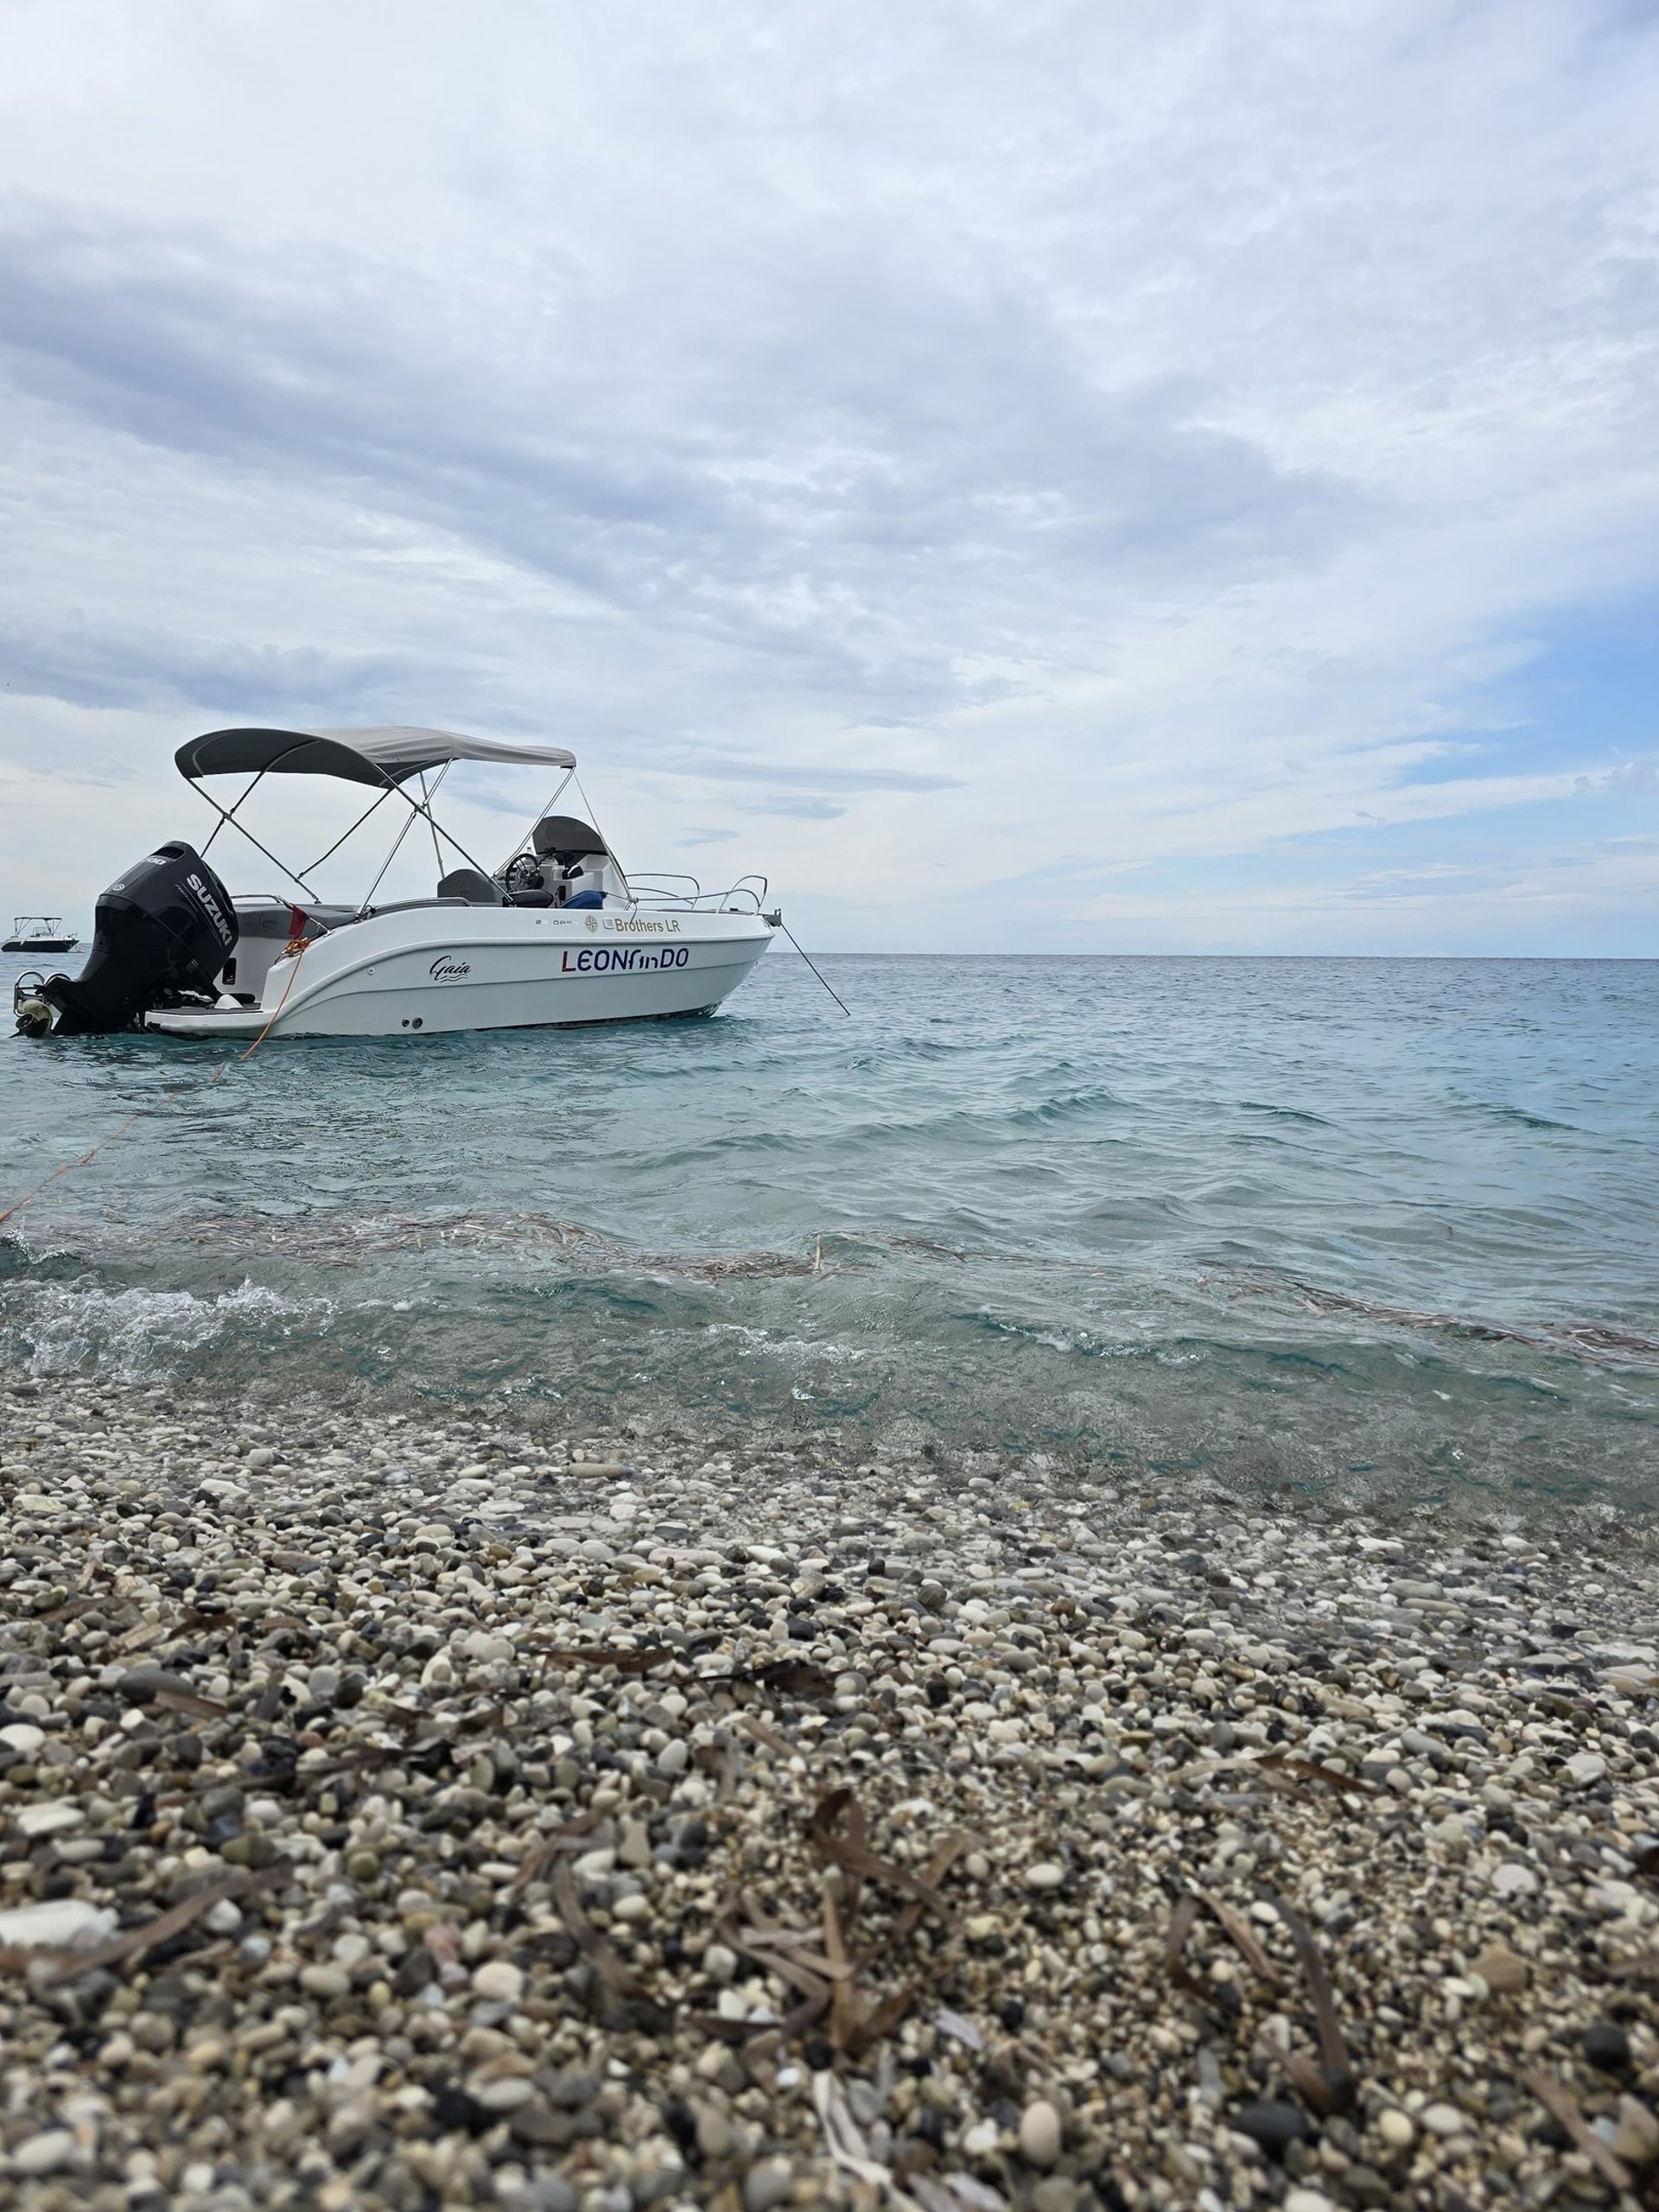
359	756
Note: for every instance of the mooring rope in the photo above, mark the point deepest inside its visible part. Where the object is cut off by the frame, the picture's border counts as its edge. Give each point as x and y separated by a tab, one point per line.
20	1206
813	965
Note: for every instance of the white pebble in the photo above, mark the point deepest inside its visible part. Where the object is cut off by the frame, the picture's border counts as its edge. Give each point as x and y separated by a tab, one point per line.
49	1820
767	2183
1443	2119
498	1982
44	2153
1512	1880
1039	2133
505	2094
63	1920
1046	1875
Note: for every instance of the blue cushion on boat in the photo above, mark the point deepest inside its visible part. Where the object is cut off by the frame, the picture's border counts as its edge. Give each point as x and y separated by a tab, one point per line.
585	899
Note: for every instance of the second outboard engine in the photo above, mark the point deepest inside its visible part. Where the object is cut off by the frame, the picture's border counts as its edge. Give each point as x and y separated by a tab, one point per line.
167	926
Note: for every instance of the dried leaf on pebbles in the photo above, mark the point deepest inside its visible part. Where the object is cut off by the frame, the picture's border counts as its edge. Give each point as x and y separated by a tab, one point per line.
1236	1929
626	1658
132	1944
1278	1764
1561	2105
199	1708
762	1734
851	1850
587	1936
1328	2087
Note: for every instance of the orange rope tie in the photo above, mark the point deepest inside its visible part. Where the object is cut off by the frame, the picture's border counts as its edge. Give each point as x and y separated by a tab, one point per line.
296	947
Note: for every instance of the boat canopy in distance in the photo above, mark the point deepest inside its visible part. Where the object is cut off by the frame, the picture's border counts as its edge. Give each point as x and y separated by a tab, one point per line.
359	756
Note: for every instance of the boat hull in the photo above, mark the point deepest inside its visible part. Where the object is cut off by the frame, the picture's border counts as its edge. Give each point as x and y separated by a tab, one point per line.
431	970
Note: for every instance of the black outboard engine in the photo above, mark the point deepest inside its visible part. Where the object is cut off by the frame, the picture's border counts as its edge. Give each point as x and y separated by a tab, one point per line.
167	926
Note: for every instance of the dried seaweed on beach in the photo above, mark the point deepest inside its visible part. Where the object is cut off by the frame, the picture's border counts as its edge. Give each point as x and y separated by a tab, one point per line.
1282	1765
1330	2085
76	1609
626	1658
571	1837
850	1850
1182	1921
1559	2101
187	1701
762	1734
1283	1770
783	1951
586	1937
134	1943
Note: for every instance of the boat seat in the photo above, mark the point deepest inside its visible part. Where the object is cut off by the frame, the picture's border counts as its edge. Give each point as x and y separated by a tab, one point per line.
476	888
277	922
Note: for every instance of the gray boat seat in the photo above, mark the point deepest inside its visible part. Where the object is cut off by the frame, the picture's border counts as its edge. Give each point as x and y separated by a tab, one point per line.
276	921
476	888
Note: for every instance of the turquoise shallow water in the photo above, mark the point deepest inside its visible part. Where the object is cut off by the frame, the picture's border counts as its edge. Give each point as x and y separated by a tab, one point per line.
1374	1223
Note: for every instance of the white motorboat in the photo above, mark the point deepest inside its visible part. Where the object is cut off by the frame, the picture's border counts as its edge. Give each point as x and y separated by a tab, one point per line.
556	935
40	933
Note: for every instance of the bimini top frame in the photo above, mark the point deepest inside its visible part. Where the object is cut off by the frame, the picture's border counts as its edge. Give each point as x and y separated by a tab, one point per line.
377	757
383	759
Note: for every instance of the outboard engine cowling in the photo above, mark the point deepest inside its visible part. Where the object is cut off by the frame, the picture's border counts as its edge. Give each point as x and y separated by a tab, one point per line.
165	926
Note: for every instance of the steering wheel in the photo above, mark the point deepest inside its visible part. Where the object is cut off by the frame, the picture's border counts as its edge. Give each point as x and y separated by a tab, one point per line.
523	872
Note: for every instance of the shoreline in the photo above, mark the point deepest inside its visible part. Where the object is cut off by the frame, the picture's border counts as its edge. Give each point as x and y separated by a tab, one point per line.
474	1906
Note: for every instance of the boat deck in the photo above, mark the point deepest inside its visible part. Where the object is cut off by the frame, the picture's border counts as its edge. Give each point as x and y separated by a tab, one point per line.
208	1021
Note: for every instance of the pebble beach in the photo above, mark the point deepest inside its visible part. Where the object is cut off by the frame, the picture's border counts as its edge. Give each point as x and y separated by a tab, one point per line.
415	1810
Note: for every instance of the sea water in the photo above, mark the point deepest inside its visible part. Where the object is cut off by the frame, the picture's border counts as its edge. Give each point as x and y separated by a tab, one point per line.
1390	1226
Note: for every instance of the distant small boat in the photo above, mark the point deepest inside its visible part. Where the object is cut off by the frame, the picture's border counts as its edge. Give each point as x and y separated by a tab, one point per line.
39	933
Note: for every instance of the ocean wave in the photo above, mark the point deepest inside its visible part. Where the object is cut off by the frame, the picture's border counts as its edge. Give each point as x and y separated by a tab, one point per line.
750	1340
137	1335
1296	1114
1298	1175
1515	1117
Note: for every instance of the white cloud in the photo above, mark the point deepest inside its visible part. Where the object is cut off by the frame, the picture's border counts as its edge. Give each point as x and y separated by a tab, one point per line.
963	439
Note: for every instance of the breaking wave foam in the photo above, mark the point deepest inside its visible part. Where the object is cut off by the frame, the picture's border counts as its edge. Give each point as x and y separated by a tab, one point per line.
141	1336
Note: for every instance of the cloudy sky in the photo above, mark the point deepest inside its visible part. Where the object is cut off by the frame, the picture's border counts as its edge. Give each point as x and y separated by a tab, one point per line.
1172	474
